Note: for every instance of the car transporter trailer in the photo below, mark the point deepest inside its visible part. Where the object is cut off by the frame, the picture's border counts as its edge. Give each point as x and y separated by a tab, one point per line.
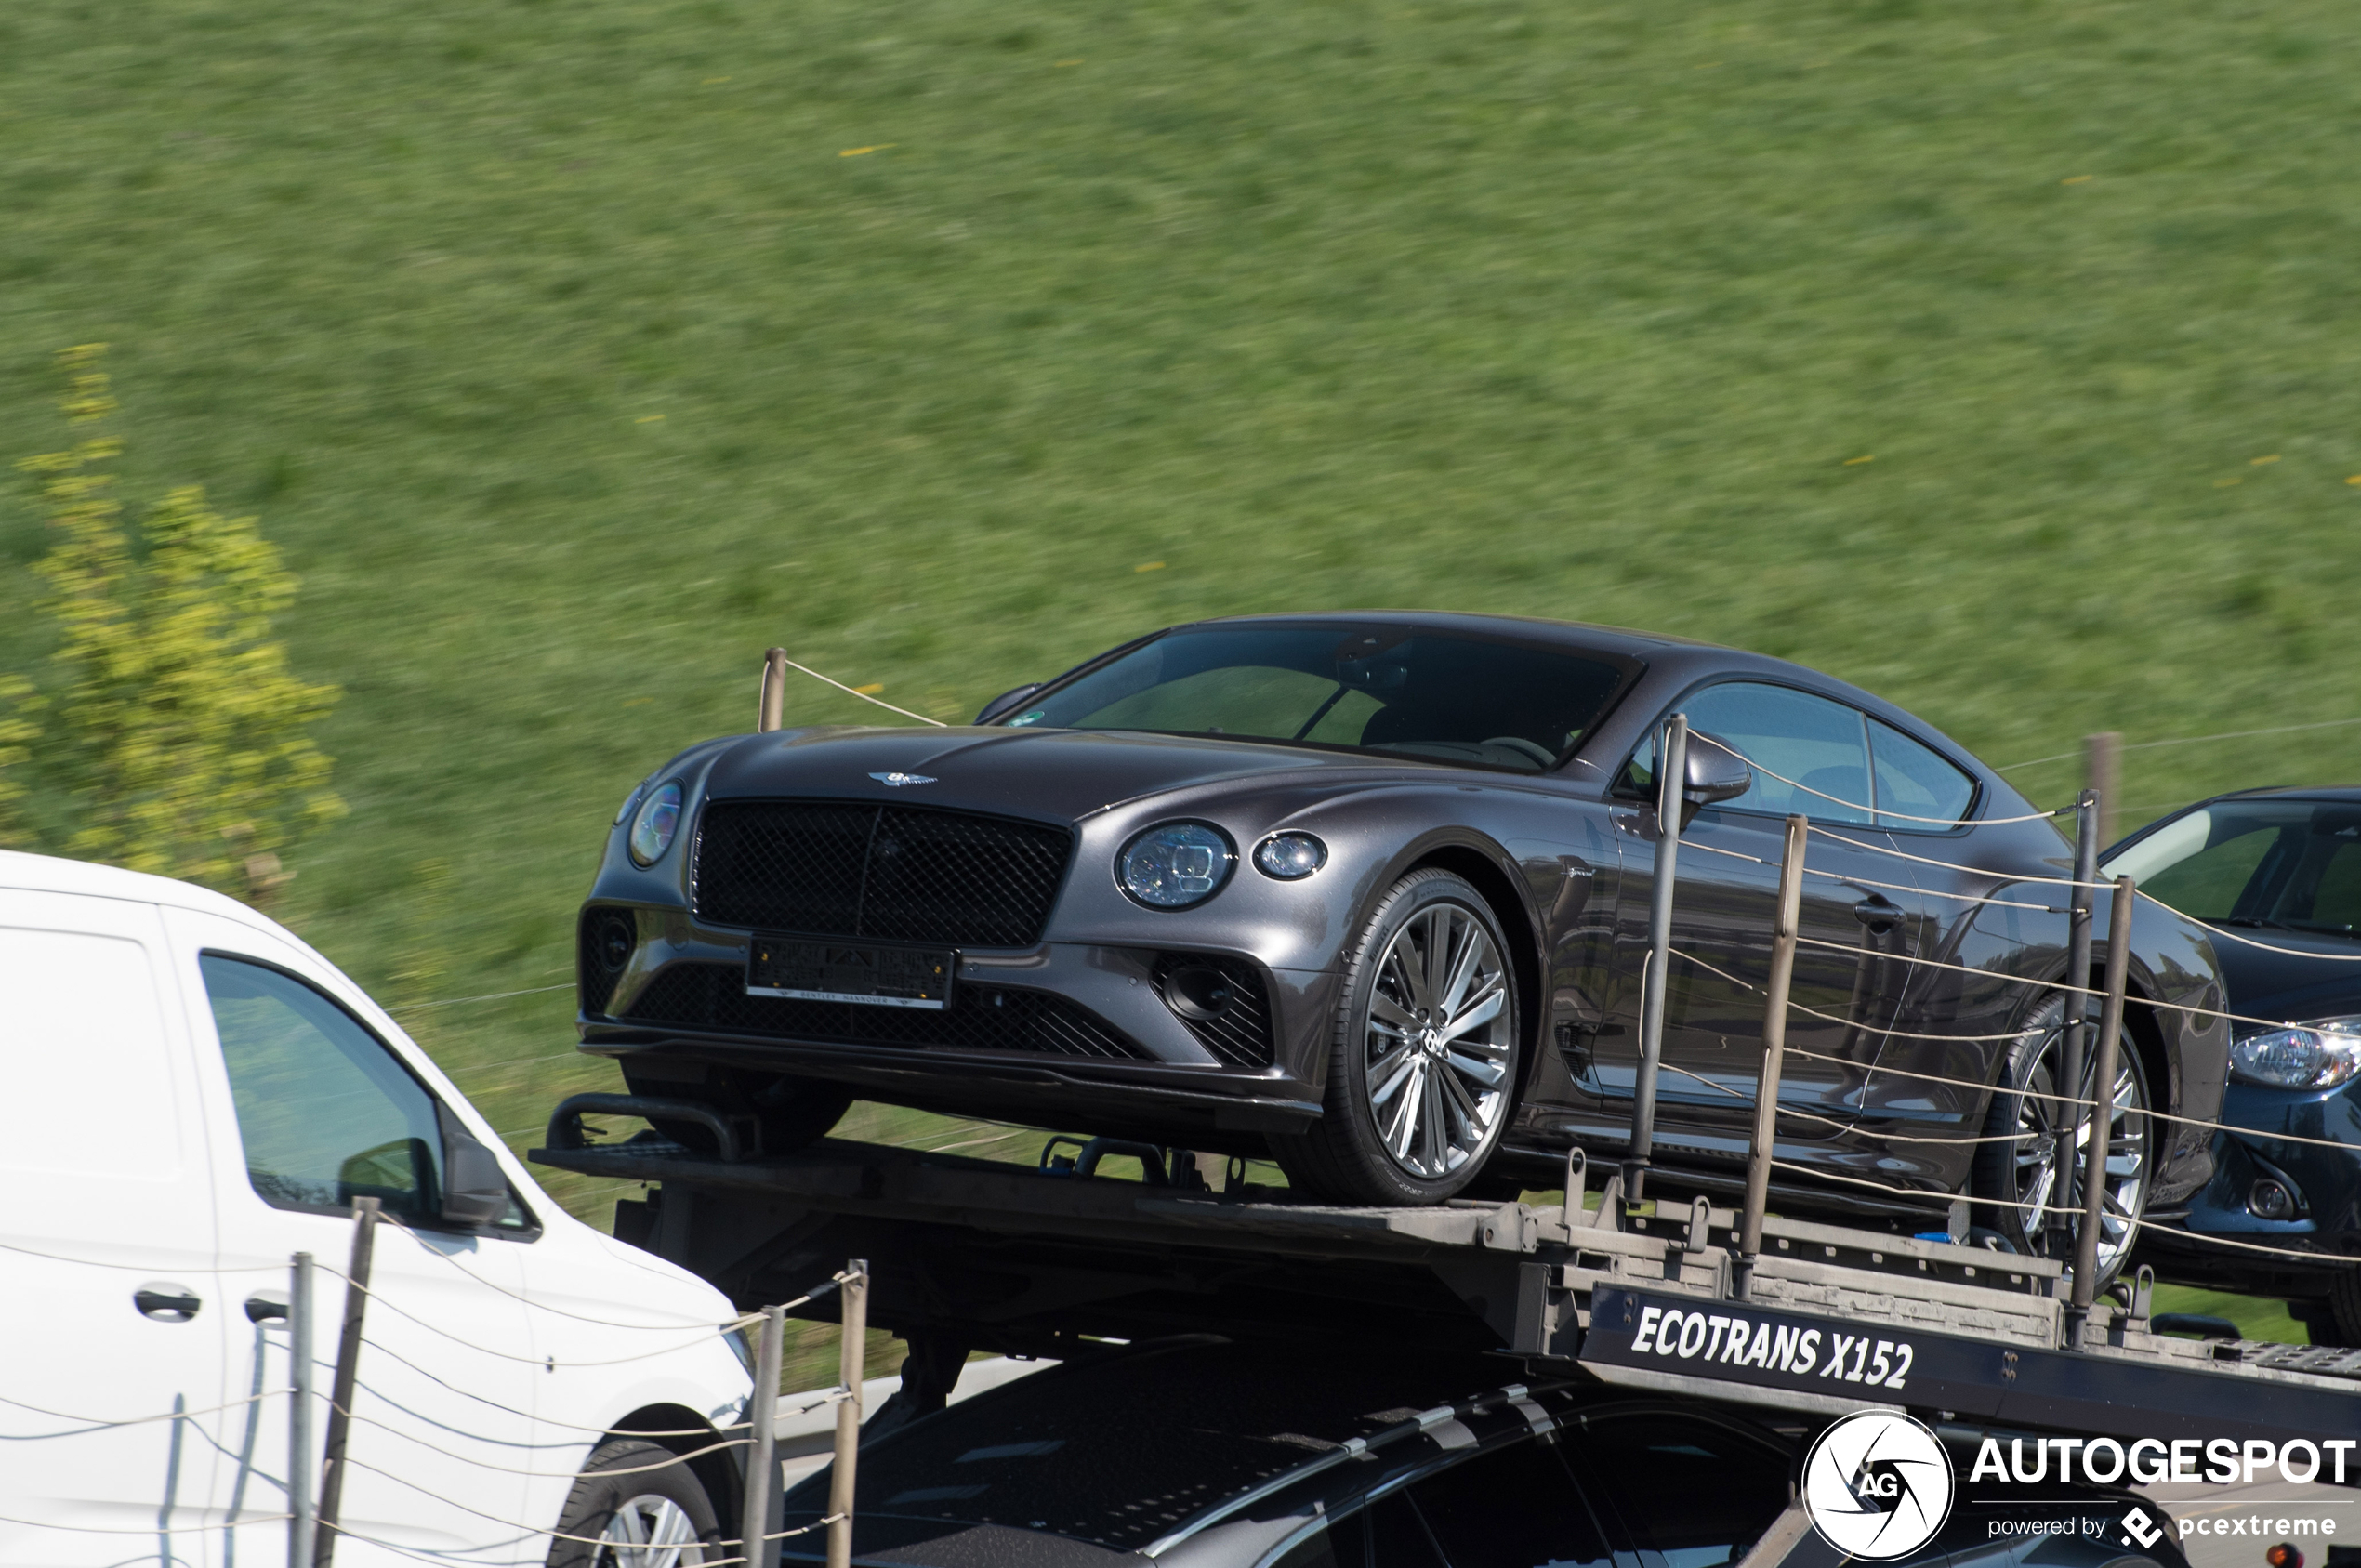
1741	1305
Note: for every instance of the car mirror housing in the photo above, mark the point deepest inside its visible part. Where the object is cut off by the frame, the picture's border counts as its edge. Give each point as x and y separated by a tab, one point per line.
1716	772
1006	700
474	1192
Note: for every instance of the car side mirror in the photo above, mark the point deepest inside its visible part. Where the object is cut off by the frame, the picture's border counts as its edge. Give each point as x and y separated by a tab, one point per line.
474	1190
1716	773
1006	700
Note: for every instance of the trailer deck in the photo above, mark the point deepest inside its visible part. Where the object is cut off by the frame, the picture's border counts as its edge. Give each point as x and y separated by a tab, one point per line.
972	1254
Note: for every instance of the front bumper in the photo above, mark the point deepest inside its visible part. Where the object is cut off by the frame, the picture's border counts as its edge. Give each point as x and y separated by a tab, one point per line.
1051	1033
2325	1182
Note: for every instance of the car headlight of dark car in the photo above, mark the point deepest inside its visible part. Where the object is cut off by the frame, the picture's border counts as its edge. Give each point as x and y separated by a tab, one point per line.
1174	865
658	820
1291	857
2319	1055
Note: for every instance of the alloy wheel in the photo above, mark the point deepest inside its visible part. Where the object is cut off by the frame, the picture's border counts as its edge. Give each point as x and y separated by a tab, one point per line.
1438	1056
2047	1126
648	1532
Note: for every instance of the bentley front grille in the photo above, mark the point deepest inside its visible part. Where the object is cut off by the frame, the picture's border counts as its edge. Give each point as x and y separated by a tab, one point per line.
887	872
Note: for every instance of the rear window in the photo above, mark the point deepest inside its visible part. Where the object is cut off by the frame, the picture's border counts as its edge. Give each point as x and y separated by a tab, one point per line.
1119	1454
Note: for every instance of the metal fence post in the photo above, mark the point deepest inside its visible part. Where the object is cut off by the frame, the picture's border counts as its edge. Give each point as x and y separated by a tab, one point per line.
762	1458
2095	1197
2103	772
849	1360
1673	777
2073	1042
1775	1047
356	1303
299	1471
773	711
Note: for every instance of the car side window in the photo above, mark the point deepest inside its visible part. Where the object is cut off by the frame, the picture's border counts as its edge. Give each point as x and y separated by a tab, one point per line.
325	1112
1514	1507
1914	781
1694	1494
1818	744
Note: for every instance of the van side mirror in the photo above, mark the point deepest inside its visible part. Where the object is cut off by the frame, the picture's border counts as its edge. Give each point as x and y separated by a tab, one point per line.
474	1191
1716	773
1006	700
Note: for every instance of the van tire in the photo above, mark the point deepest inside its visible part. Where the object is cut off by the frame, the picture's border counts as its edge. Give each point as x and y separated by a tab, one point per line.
629	1474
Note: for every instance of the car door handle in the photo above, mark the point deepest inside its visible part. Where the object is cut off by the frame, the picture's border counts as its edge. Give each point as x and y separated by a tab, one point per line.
1878	914
166	1303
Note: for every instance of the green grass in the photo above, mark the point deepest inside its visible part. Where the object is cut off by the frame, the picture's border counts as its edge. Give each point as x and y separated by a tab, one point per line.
573	361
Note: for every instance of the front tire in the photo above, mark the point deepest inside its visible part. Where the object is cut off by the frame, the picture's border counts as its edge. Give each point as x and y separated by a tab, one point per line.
641	1506
1423	1059
2021	1176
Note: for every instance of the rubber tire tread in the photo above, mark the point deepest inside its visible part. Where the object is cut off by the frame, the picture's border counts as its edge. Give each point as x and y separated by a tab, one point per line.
597	1495
1322	1162
1992	1174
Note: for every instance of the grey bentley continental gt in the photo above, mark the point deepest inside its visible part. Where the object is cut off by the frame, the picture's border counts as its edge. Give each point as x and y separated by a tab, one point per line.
1368	893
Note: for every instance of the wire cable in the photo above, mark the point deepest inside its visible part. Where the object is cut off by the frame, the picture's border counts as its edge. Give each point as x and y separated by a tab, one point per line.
1873	812
91	1424
864	695
1872	882
2190	740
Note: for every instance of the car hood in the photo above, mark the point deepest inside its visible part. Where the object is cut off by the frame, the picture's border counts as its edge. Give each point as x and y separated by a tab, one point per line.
2318	977
1045	773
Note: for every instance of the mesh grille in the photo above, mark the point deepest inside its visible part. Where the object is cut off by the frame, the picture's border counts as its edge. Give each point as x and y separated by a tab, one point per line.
1241	1036
886	872
980	1018
593	977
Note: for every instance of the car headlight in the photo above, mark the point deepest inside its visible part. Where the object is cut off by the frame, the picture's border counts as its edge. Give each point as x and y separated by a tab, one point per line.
658	820
1291	857
1176	864
2314	1055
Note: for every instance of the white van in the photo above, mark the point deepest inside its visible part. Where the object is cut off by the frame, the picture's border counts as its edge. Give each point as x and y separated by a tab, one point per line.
193	1096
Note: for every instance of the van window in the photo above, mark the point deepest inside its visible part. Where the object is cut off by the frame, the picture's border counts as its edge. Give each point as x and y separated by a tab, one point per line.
326	1113
83	1030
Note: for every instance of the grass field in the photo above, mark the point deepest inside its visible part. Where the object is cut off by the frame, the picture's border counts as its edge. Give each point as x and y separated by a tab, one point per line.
2003	359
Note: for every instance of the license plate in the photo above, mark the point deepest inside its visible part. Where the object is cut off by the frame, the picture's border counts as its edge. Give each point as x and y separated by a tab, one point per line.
843	972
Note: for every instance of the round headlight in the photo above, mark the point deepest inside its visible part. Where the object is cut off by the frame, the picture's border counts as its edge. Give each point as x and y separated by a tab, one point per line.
2317	1057
658	820
1176	864
1290	856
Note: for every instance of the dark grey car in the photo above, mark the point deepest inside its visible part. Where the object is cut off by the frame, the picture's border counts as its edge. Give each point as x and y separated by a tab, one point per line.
1369	892
1204	1454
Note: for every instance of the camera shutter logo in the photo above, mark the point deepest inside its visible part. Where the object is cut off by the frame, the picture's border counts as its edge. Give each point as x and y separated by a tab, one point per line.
1877	1485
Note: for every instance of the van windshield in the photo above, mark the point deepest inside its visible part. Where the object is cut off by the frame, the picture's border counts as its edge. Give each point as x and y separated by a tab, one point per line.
1392	690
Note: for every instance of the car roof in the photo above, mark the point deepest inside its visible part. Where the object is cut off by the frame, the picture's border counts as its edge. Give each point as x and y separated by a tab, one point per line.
54	873
1579	634
1159	1441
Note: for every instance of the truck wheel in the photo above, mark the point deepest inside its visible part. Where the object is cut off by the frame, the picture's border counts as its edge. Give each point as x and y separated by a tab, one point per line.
641	1505
2022	1177
1422	1067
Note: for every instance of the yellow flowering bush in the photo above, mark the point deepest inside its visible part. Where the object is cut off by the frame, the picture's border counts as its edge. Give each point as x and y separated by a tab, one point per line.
179	731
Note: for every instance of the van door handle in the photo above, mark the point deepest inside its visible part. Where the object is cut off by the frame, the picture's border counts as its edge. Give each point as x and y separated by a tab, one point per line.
166	1303
1878	914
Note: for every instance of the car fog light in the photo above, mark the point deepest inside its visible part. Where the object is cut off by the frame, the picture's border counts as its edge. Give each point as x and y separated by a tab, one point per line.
2269	1200
2316	1056
658	820
1199	992
1177	864
1291	857
618	936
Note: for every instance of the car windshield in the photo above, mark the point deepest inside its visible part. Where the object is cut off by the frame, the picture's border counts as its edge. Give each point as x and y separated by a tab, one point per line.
2291	864
1394	690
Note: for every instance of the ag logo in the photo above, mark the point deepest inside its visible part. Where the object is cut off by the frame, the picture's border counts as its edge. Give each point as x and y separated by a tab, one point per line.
1877	1485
